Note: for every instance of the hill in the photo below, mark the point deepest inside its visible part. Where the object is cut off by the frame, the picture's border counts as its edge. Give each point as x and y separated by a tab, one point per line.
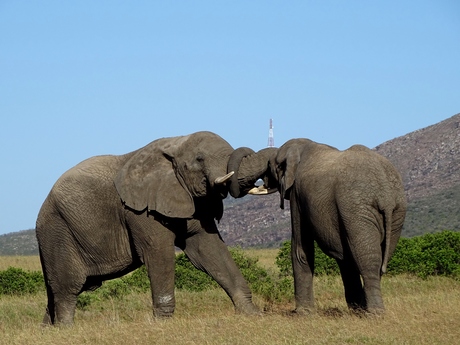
19	243
428	160
256	221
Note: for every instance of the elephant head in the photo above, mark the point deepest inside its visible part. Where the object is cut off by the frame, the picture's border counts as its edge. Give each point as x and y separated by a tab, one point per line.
282	166
170	175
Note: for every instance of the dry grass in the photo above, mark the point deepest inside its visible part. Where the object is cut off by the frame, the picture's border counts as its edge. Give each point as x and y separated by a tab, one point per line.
28	263
266	256
418	312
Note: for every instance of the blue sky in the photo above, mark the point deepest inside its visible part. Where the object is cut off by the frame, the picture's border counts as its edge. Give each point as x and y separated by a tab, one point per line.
83	78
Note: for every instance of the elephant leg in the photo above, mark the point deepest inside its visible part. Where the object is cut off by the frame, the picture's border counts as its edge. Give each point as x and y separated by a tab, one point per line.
154	243
206	250
48	318
65	305
64	279
372	290
62	302
302	255
365	247
160	268
354	292
65	288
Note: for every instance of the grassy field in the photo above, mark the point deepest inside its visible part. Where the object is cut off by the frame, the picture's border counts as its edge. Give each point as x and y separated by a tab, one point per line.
418	312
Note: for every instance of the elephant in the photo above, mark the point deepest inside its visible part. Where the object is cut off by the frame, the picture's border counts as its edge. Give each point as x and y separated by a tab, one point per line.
351	202
111	214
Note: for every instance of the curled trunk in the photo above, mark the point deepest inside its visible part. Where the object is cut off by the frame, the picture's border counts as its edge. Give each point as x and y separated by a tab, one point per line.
249	166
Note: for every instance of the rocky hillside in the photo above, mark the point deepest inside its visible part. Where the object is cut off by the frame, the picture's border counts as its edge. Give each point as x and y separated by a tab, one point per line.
19	243
428	159
255	221
429	162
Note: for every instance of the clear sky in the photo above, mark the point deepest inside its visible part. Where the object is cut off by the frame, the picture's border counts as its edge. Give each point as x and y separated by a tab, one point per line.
84	78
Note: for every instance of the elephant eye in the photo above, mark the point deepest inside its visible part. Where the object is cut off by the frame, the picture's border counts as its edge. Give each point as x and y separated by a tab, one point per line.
200	158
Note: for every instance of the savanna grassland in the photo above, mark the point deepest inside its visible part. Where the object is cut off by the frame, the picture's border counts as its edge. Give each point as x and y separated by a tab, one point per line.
418	311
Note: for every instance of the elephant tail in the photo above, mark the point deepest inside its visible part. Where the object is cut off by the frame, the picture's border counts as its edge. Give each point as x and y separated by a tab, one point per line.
388	214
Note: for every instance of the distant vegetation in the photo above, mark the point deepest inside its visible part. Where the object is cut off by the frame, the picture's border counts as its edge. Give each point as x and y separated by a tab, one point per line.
422	256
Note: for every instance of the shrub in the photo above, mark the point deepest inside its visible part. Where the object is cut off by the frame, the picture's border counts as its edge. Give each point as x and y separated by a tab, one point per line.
85	299
324	265
426	255
15	281
138	279
429	254
116	288
262	282
189	278
283	259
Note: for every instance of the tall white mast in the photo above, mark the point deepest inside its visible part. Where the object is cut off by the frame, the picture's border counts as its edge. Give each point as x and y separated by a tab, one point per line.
271	140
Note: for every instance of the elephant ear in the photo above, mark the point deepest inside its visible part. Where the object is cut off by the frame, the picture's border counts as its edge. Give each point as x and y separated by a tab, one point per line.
287	161
148	181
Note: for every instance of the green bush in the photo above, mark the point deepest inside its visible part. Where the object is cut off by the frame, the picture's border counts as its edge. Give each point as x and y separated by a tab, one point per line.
283	259
423	256
138	279
324	265
260	281
188	278
427	255
15	281
85	299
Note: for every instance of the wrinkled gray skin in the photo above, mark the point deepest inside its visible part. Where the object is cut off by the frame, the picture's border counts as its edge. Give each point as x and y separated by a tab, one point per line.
110	214
351	202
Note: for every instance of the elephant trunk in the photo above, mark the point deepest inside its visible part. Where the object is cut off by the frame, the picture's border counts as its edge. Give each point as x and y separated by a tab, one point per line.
248	166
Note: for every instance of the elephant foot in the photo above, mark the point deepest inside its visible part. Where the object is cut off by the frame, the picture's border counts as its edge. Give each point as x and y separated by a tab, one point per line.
47	319
367	312
248	309
303	311
163	313
357	308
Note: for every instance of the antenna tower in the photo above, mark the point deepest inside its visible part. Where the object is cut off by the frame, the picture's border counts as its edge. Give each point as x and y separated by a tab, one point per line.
271	140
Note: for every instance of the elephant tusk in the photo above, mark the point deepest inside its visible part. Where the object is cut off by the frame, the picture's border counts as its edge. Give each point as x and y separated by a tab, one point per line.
261	190
224	178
